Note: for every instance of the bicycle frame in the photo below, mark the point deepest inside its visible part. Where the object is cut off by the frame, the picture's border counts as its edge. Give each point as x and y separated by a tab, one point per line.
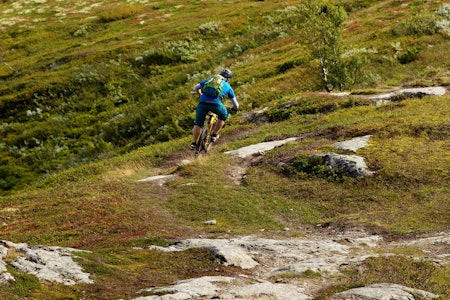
204	140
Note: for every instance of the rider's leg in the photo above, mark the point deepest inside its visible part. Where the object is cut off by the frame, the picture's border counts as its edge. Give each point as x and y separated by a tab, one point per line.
196	132
218	126
222	114
201	112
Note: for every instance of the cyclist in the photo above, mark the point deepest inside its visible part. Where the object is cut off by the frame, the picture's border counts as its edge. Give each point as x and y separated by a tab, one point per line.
213	104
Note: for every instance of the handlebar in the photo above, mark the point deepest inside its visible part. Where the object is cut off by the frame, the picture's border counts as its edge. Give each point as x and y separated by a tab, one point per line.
232	110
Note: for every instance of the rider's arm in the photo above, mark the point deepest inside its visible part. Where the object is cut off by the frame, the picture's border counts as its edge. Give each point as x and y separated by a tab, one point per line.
198	89
235	103
232	97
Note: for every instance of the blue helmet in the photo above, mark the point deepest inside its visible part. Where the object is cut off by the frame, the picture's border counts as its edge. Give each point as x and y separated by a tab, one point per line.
226	73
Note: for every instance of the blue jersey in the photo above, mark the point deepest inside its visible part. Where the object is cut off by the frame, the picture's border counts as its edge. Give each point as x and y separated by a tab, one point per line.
227	90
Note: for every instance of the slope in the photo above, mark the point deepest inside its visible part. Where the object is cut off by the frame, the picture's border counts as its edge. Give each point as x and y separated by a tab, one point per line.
99	206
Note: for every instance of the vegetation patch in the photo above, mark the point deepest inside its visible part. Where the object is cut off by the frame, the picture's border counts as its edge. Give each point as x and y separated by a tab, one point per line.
23	286
307	165
116	13
121	273
395	269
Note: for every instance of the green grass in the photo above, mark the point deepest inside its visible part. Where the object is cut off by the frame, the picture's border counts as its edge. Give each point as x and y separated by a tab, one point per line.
24	286
115	105
398	269
96	64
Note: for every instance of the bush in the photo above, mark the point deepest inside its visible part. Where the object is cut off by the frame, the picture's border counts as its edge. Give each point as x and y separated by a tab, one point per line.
120	13
444	23
314	166
24	284
161	57
325	24
173	52
209	28
355	5
9	176
420	24
408	56
303	106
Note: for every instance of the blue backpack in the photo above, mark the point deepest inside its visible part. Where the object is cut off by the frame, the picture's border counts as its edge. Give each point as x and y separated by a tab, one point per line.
213	86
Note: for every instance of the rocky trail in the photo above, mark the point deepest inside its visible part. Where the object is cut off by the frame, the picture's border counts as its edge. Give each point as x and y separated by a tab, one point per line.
278	266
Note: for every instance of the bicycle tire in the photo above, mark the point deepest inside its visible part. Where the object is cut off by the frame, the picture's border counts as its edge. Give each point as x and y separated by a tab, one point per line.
204	140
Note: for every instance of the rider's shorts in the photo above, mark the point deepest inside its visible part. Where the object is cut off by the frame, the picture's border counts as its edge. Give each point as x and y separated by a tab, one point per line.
204	107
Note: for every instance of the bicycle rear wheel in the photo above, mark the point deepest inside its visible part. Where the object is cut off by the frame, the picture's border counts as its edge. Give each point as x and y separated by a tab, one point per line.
204	140
201	144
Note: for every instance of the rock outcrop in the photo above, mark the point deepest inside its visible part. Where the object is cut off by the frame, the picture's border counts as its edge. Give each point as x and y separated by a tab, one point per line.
384	291
272	262
354	144
354	165
54	264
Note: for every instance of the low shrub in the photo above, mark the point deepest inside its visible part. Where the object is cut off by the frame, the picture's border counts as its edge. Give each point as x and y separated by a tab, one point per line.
355	5
420	24
408	56
24	284
119	13
314	166
209	28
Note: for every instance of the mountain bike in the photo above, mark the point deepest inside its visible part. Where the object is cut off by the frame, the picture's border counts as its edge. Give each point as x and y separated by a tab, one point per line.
204	139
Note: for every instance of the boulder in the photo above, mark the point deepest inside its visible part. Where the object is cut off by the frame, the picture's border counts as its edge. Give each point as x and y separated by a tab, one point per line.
225	251
384	291
353	165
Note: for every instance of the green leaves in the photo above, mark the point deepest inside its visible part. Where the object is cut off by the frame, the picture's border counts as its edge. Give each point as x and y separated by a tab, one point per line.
325	23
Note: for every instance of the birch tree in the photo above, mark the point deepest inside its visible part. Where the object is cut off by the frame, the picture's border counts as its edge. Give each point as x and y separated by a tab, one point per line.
323	26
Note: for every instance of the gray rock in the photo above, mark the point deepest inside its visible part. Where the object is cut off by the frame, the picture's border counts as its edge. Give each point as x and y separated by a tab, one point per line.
266	290
47	263
259	149
240	251
255	117
3	253
408	93
208	287
384	291
220	287
326	255
6	277
226	252
317	264
353	144
210	222
159	179
353	165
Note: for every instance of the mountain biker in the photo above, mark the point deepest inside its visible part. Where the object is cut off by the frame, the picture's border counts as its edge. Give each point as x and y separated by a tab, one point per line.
210	104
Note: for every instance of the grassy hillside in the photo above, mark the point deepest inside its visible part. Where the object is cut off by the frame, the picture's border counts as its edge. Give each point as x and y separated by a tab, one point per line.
95	96
84	81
